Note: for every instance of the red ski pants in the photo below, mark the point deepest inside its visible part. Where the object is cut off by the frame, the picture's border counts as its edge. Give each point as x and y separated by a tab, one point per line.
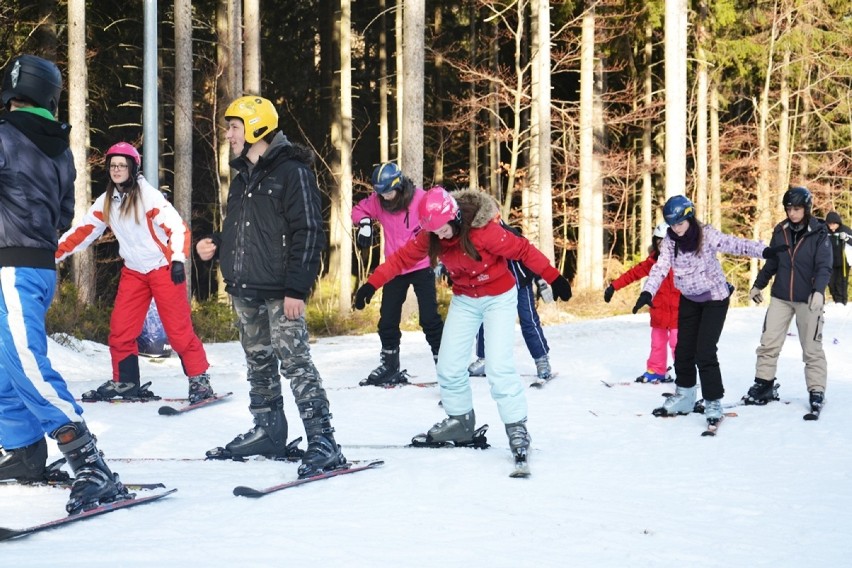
135	291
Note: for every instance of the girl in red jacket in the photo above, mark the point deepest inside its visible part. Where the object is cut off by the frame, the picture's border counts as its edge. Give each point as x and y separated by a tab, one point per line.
663	313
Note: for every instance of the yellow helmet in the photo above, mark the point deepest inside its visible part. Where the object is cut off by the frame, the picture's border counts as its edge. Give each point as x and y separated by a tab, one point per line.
258	115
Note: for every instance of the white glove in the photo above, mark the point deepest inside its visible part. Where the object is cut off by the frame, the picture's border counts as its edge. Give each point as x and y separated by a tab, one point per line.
365	233
843	236
755	295
816	301
545	291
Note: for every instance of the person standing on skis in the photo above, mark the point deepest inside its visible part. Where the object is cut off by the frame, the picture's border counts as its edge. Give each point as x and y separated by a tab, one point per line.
799	278
36	201
394	205
269	252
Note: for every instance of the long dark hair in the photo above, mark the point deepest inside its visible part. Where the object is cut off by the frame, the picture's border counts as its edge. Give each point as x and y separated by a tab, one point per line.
132	196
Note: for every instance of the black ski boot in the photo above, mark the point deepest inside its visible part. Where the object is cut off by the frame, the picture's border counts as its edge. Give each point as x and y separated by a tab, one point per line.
762	392
94	483
323	453
24	464
267	438
817	399
387	373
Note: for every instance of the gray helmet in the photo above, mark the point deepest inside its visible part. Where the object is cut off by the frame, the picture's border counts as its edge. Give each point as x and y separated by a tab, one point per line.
33	79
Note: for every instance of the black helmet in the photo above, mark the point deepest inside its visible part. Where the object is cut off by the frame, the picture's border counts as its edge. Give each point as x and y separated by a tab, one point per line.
34	79
798	196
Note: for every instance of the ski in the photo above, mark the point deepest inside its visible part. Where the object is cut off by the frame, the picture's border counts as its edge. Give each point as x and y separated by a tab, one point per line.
171	410
522	465
7	533
538	383
812	415
243	491
66	484
712	426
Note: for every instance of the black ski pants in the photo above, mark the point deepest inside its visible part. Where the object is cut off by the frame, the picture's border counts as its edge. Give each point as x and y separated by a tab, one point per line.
839	283
699	328
390	313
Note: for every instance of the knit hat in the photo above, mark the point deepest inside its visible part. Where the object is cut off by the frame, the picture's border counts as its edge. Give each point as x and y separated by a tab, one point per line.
833	217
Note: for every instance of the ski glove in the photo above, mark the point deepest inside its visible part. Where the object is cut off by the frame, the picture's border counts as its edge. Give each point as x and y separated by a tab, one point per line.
755	295
545	292
772	252
608	293
561	288
644	300
364	295
816	301
365	233
843	236
178	273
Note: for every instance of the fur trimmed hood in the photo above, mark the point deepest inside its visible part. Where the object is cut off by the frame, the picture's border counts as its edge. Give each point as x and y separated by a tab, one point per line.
482	207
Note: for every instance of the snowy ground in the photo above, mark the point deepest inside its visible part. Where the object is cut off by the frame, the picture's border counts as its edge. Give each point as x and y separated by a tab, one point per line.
611	485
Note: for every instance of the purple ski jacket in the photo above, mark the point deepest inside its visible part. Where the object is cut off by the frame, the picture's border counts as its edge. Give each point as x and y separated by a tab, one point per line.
698	273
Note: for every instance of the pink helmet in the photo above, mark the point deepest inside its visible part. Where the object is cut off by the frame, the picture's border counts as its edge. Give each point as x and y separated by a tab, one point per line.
437	208
129	152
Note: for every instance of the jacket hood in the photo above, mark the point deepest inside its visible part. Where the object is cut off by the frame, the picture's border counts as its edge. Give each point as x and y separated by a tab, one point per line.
833	217
50	136
484	207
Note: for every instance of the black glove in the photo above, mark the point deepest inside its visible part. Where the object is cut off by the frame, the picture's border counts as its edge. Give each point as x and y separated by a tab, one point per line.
364	295
178	273
365	233
608	293
772	252
644	300
561	288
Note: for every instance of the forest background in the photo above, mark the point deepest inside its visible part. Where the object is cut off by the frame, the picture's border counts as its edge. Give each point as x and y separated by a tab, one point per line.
559	113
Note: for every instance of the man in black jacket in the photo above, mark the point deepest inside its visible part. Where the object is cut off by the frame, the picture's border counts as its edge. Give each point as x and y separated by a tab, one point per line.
800	276
36	201
841	237
269	253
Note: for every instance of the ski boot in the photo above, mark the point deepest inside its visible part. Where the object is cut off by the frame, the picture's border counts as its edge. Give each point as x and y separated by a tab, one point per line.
387	373
681	402
477	368
199	388
267	438
762	392
123	390
323	453
542	368
713	411
94	483
453	431
519	443
25	464
817	400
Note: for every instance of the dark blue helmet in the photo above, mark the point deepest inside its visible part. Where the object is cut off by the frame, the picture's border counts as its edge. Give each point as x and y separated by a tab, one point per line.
386	177
677	209
798	196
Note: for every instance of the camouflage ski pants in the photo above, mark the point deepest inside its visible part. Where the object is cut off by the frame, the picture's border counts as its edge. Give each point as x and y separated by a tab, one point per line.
274	346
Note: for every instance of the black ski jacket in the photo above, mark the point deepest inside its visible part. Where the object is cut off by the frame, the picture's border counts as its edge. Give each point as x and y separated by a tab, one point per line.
36	188
272	238
805	267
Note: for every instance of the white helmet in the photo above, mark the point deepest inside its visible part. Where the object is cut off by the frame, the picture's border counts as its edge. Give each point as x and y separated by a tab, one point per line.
660	230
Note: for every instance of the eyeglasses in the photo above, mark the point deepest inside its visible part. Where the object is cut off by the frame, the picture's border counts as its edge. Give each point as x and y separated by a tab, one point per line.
119	167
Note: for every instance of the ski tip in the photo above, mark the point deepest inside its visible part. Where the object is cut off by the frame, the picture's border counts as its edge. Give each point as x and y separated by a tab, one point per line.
6	534
375	463
168	411
810	416
243	491
708	433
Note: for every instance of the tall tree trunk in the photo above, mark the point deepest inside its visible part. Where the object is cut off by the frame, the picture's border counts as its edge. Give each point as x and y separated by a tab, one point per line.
384	137
78	87
338	232
646	214
229	64
343	199
183	118
494	176
472	135
399	58
437	98
251	47
783	132
590	233
675	51
414	23
715	160
701	204
45	33
540	149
